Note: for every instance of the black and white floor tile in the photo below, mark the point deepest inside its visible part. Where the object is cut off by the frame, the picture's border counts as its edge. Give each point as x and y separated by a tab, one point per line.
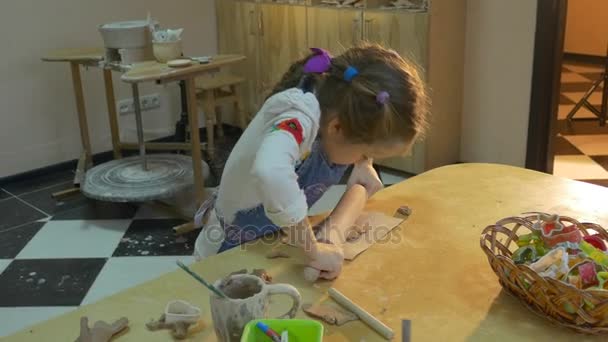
83	252
581	146
56	256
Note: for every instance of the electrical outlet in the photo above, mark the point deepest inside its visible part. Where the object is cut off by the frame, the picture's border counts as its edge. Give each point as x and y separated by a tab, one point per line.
156	100
147	102
125	106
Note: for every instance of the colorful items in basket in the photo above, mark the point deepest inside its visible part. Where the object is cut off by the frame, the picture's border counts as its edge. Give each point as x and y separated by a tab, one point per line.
557	249
554	232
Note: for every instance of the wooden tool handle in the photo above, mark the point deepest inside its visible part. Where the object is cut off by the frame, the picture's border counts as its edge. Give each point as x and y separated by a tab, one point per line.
365	316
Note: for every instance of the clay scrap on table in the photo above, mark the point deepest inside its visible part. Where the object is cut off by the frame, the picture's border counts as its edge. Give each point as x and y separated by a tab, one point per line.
355	232
275	253
101	331
179	330
369	228
403	212
258	272
329	313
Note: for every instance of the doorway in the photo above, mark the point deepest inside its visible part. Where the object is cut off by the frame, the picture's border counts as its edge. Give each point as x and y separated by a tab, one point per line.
569	58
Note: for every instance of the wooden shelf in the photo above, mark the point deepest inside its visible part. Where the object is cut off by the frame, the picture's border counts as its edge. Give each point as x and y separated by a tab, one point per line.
287	2
385	5
359	5
388	5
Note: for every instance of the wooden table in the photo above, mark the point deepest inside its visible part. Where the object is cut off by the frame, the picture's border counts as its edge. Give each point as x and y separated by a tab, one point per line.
161	73
77	58
136	74
432	272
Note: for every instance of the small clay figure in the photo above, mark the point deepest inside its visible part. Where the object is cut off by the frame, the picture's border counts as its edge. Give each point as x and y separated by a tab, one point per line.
262	274
331	314
179	330
258	272
101	331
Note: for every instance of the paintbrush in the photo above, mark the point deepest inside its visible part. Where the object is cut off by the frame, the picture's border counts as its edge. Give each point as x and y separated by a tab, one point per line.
201	280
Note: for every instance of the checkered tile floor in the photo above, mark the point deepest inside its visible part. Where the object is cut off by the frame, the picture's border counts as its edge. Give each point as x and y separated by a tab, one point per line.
581	148
56	256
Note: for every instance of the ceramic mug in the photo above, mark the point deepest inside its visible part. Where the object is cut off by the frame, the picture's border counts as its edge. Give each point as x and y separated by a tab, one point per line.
248	299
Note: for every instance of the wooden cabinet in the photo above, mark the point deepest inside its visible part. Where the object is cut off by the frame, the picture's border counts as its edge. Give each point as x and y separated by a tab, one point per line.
238	26
271	36
334	29
274	35
406	33
282	41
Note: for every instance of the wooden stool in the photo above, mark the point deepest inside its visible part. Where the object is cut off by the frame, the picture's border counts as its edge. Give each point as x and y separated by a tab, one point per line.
214	91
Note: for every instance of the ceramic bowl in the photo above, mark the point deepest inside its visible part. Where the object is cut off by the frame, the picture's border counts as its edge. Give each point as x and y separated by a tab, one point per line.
166	51
126	34
181	311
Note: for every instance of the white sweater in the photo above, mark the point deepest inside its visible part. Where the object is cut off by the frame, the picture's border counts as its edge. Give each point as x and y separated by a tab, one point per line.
261	167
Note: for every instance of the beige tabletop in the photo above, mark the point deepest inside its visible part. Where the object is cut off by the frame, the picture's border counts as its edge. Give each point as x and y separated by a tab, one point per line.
75	55
432	271
154	71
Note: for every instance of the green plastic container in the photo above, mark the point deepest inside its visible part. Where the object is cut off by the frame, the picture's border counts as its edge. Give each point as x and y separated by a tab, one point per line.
300	330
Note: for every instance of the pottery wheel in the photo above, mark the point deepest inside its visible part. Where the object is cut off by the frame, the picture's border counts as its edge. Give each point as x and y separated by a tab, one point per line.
125	180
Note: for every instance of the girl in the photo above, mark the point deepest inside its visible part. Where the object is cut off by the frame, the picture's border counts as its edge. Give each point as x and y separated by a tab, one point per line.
324	115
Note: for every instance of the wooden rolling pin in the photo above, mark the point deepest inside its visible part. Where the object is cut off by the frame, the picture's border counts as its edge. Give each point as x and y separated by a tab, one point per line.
365	316
342	218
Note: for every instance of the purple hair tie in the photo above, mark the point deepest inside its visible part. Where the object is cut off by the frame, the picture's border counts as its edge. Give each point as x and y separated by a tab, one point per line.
319	63
382	97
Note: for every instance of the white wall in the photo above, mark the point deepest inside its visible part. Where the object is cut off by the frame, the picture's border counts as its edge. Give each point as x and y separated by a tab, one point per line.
38	124
497	83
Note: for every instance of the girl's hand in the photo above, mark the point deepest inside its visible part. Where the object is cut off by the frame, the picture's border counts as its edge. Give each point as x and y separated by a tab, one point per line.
328	259
365	174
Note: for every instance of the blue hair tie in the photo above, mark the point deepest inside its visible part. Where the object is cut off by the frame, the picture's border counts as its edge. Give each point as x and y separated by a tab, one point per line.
350	73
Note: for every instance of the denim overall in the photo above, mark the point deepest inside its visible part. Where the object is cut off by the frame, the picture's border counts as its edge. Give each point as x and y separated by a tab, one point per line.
315	175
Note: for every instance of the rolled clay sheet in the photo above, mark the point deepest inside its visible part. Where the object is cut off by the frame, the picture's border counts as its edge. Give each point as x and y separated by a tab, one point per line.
376	227
353	228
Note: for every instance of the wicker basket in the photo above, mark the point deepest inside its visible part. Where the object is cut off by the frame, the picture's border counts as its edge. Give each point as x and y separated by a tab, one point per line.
585	311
